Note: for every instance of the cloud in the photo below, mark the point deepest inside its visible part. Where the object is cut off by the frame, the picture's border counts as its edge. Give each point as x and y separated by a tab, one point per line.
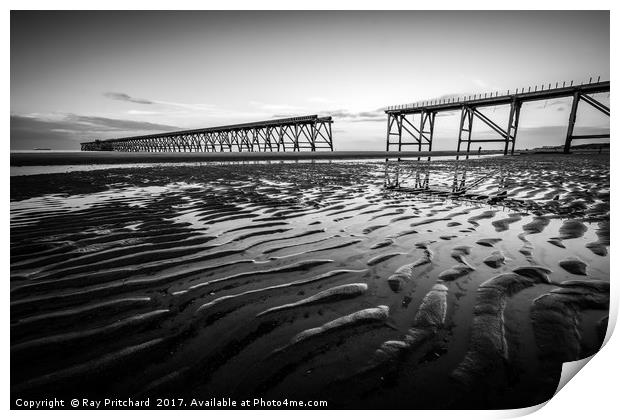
141	112
78	122
340	113
118	96
447	114
192	107
288	111
343	114
65	130
365	116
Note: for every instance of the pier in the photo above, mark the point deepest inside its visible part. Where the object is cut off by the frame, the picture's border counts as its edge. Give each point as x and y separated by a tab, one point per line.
307	133
414	124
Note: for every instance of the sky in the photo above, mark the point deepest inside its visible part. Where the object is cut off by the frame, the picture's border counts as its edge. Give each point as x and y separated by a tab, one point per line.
77	76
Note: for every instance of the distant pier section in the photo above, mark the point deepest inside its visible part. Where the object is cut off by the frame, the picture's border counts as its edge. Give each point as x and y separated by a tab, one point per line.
308	133
411	126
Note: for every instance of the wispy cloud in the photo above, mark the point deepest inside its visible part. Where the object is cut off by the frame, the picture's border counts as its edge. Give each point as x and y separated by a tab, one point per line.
191	107
447	114
81	122
364	116
118	96
124	97
142	112
343	114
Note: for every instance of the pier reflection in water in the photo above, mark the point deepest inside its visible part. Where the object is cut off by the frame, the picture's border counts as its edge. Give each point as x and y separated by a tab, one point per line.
446	178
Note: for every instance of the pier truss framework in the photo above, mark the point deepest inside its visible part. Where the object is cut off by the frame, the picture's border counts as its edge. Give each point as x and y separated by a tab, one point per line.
413	124
307	133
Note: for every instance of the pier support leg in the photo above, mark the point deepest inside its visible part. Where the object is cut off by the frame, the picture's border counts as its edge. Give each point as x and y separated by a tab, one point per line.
387	137
461	129
513	123
427	120
571	123
329	139
281	139
515	126
470	124
507	137
431	131
313	137
399	124
466	126
422	121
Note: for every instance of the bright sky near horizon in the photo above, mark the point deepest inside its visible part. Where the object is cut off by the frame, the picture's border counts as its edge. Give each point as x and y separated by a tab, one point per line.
76	76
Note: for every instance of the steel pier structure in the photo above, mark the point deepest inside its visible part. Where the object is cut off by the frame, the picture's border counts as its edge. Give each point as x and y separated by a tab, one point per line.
414	124
309	133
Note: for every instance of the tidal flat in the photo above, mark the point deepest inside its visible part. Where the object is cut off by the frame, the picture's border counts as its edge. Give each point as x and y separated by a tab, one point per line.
411	284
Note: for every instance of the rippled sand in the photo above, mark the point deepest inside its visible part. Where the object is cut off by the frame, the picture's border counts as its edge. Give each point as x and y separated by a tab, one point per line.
412	285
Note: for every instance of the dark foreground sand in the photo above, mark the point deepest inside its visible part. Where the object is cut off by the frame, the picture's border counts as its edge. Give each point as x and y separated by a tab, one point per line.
406	285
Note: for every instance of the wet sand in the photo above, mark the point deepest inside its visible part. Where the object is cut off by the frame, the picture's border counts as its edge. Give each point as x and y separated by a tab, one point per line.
89	158
408	285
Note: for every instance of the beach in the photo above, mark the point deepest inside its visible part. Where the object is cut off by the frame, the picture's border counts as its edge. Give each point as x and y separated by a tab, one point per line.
367	284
